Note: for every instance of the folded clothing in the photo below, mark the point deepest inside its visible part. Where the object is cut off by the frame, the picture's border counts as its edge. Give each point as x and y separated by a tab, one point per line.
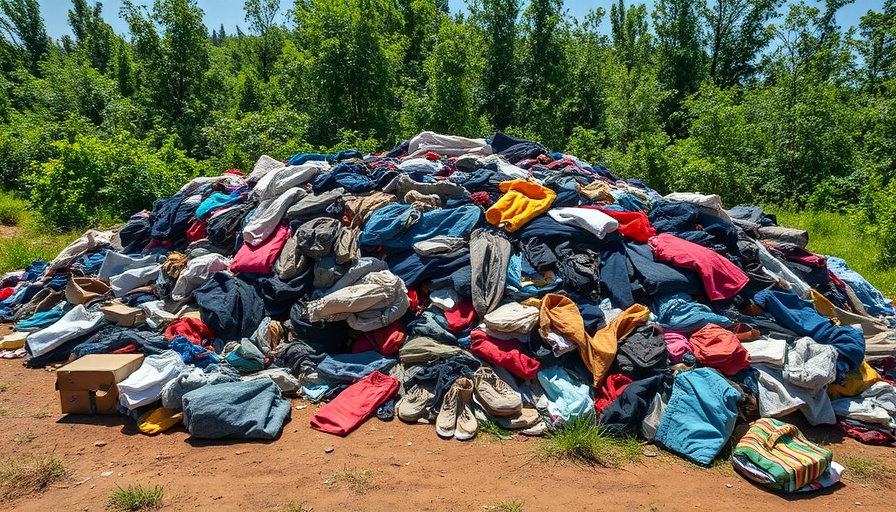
353	406
504	353
252	409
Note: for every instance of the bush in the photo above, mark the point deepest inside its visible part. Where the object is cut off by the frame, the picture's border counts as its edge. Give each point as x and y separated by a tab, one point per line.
109	179
10	209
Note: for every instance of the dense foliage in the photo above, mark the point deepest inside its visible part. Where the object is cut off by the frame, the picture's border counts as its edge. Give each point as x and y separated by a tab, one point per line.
760	101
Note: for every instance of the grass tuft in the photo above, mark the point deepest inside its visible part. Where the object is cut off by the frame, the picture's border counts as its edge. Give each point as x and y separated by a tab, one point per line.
494	430
583	441
505	506
136	497
868	472
22	476
358	480
292	506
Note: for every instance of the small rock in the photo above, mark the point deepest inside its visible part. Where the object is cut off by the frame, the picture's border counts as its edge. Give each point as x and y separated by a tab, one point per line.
649	453
300	407
238	452
410	443
729	486
100	443
858	503
104	474
295	430
329	449
121	474
391	437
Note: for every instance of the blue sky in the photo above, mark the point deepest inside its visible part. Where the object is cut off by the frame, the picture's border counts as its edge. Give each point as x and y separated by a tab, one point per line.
230	12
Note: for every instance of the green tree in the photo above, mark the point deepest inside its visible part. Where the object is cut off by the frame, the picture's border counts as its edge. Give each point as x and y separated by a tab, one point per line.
878	46
93	34
737	33
261	15
24	29
497	22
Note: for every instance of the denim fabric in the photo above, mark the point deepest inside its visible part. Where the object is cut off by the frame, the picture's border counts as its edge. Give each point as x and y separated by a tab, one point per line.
700	415
873	300
254	409
682	313
801	317
353	367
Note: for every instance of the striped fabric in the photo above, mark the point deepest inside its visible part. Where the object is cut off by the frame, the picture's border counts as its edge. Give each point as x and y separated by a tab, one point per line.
777	449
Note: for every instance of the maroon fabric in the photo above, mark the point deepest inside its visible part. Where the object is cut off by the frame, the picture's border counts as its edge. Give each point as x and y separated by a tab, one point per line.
481	198
191	328
721	278
719	348
197	230
386	340
633	225
354	405
612	387
504	353
260	259
867	435
461	317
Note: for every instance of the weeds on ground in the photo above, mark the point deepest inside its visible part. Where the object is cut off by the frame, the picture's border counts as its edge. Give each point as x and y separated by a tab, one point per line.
868	472
494	430
136	497
292	506
11	209
6	386
506	506
42	413
22	476
358	480
584	441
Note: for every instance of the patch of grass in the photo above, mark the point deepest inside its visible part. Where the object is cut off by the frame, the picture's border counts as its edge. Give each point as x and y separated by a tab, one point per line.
494	430
583	441
869	472
840	235
292	506
22	476
136	497
33	240
358	480
42	413
6	386
506	506
11	209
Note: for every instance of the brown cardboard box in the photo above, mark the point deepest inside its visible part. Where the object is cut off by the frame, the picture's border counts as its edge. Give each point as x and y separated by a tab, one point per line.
123	315
89	385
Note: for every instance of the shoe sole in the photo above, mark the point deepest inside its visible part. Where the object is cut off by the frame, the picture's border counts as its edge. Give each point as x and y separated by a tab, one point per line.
464	437
445	433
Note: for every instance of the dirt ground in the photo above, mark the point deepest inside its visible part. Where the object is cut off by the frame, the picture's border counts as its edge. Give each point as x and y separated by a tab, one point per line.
409	468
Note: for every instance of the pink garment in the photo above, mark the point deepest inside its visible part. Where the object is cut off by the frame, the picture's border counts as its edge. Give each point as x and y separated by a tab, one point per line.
260	259
721	278
354	405
678	345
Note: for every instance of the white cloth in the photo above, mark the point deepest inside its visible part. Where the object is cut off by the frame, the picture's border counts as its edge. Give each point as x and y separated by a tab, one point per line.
419	165
264	165
810	365
196	273
115	263
447	145
876	404
144	386
508	168
124	272
134	278
513	318
767	350
75	323
775	269
229	181
278	181
268	216
444	298
711	202
90	240
778	397
595	222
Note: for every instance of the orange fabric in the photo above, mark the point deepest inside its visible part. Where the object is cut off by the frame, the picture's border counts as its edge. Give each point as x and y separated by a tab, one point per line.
522	201
824	306
561	315
719	348
599	352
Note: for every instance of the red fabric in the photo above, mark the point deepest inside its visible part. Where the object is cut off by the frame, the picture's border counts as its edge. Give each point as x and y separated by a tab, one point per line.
354	405
417	300
721	278
719	348
197	230
385	340
191	328
633	225
504	353
461	317
155	243
235	172
431	156
481	198
127	349
609	392
260	259
5	293
868	435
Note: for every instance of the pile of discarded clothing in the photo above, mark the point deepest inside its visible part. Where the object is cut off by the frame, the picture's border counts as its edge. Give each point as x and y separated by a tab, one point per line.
453	280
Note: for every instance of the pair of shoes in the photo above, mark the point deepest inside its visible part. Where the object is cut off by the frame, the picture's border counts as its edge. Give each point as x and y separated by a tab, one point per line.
414	404
456	418
495	395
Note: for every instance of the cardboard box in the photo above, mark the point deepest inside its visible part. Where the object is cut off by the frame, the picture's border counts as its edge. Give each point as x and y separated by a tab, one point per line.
89	385
122	314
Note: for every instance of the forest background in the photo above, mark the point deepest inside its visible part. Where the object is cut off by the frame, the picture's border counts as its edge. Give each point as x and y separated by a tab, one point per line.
761	101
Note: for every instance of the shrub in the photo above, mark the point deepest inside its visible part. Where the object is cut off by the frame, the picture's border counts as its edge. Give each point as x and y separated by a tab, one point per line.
136	497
